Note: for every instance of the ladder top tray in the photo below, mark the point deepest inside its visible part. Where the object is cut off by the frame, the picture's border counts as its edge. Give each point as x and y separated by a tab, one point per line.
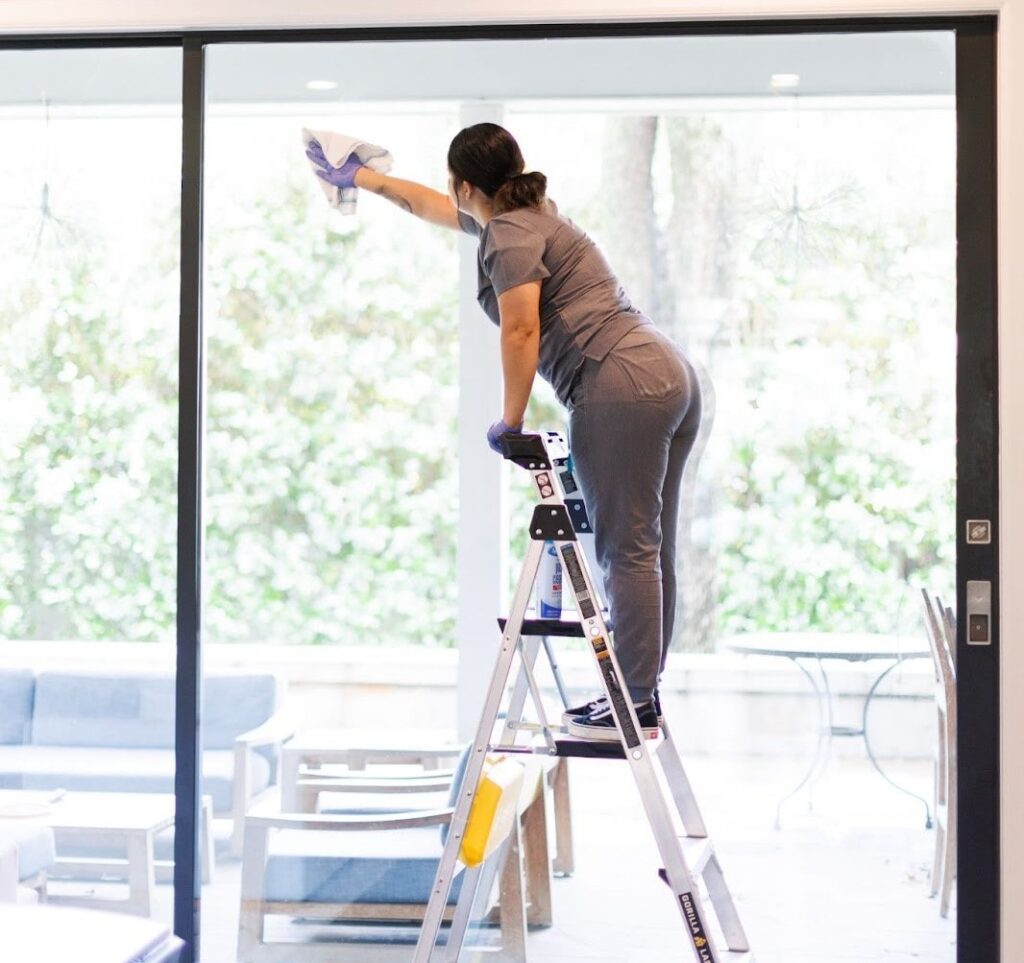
589	749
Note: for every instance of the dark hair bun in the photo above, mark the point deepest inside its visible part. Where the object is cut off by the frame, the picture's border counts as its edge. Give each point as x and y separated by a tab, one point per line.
521	190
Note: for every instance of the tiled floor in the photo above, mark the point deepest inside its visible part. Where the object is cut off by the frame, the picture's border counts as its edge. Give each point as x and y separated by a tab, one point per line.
845	882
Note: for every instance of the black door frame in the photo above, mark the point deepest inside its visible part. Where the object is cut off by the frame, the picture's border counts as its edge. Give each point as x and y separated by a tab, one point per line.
978	910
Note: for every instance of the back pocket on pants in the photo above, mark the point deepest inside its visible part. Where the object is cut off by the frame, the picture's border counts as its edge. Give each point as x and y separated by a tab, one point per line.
652	368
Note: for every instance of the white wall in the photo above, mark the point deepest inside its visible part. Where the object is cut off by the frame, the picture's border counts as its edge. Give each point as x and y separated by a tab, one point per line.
1010	58
47	15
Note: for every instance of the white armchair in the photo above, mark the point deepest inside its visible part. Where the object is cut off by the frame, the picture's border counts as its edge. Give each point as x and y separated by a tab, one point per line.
269	735
310	875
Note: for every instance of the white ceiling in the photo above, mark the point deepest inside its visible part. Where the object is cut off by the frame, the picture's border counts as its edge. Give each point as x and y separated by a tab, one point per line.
867	64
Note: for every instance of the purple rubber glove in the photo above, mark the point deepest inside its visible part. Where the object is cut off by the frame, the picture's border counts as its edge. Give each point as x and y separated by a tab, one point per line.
343	176
496	430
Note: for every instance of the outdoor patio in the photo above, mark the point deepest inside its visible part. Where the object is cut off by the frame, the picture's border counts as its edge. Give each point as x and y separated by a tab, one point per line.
844	882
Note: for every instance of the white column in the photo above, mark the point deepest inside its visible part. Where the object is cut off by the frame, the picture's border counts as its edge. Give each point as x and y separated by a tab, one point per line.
482	536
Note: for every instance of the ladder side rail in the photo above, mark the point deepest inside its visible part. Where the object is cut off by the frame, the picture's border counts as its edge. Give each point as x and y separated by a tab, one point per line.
556	672
446	867
477	882
543	474
659	816
725	907
640	760
463	913
525	682
577	508
526	670
679	785
595	630
576	570
517	701
683	884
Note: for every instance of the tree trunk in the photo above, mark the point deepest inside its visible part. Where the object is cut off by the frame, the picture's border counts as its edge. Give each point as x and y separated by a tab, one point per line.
701	225
629	229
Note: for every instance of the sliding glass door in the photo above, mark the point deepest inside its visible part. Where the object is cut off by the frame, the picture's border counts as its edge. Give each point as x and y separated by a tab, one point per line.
90	176
218	380
789	218
330	473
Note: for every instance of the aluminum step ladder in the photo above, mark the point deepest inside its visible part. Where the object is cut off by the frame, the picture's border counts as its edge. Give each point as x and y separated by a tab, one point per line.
691	867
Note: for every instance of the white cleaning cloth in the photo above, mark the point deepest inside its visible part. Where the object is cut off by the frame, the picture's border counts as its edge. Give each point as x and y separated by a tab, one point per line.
338	148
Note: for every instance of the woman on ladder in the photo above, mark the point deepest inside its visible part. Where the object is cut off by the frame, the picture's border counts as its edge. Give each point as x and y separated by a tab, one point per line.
633	398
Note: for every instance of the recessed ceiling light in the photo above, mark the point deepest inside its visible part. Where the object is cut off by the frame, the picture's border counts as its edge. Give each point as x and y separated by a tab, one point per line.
785	81
321	84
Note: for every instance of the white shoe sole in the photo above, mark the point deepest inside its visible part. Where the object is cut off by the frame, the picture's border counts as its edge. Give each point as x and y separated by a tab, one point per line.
604	733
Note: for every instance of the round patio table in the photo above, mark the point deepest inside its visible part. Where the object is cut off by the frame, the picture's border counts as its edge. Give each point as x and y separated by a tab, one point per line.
817	648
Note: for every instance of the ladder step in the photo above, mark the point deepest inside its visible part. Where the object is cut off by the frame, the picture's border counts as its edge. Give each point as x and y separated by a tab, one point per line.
562	627
697	852
589	749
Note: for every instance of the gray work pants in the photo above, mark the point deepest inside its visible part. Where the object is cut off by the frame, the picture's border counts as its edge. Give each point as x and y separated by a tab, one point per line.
633	421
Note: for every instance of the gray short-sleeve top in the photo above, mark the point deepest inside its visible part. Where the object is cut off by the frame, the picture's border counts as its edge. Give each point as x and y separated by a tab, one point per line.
584	311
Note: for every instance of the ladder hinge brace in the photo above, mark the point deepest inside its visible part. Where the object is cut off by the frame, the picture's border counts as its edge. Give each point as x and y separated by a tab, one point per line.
552	523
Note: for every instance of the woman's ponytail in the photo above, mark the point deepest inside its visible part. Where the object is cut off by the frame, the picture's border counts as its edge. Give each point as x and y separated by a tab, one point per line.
521	190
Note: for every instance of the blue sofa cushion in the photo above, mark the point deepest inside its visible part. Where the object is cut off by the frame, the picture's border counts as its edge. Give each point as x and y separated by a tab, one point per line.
34	843
17	690
233	704
103	709
120	770
390	866
136	710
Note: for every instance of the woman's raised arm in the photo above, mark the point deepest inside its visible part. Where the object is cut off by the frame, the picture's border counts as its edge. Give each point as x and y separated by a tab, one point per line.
424	202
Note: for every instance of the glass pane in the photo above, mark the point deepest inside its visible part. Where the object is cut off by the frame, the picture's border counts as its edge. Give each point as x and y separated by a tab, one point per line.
802	250
331	493
331	488
90	176
817	262
781	206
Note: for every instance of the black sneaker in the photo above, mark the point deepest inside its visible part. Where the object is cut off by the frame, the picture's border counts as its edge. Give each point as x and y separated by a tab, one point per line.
583	710
588	707
600	724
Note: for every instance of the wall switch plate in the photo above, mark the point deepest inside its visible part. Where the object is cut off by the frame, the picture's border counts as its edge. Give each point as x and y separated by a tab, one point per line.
979	531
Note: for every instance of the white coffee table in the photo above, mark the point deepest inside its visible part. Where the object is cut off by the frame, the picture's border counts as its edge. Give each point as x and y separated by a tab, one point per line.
128	821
